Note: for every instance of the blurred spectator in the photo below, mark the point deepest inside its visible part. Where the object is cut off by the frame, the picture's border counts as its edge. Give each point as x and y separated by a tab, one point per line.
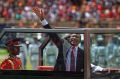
98	50
113	49
23	53
33	50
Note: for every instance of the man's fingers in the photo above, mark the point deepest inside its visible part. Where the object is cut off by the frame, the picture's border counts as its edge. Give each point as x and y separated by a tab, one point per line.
39	12
35	9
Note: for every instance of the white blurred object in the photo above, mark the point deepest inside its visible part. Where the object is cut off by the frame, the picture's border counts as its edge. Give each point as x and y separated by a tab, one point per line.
27	8
82	37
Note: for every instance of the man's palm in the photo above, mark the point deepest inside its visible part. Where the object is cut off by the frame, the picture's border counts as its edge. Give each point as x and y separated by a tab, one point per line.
39	12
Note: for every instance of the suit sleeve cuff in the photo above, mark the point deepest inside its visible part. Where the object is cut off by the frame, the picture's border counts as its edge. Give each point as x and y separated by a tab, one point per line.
44	22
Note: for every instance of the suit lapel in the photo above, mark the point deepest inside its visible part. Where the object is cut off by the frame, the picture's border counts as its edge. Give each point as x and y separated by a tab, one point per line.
80	59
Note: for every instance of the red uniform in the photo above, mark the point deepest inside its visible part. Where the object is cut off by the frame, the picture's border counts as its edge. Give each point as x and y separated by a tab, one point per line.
11	63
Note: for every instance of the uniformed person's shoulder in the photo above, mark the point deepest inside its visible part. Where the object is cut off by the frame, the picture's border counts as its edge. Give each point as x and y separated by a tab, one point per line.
5	60
8	60
6	64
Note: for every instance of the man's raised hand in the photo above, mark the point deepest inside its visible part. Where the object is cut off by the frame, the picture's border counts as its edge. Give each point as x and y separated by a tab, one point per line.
39	12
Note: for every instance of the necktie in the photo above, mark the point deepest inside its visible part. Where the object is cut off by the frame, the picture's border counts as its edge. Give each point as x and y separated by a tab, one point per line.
72	63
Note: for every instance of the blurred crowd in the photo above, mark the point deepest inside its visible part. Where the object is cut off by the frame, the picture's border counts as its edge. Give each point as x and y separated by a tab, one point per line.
105	50
80	11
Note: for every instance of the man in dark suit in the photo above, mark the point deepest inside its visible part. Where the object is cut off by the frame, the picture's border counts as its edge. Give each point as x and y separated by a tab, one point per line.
74	54
65	58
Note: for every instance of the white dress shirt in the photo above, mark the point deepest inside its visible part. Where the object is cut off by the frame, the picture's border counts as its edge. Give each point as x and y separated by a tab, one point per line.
68	58
44	22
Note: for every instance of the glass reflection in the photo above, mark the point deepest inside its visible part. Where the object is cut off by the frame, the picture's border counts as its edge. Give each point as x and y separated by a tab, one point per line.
105	53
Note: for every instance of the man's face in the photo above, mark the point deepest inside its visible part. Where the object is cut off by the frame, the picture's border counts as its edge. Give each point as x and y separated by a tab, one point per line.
13	48
74	39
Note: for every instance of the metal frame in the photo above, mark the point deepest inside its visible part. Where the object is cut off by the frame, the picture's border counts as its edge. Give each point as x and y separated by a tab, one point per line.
85	31
41	48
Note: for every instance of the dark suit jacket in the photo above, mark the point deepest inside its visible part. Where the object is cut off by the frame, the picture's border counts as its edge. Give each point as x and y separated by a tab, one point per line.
60	62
